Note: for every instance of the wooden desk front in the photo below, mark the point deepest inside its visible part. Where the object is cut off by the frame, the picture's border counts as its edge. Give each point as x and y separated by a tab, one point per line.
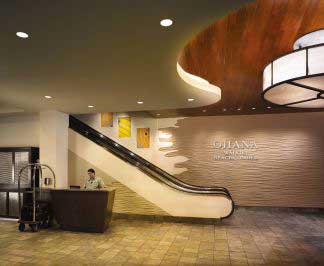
82	209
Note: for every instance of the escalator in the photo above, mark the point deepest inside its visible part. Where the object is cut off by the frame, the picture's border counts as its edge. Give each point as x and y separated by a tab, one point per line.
202	199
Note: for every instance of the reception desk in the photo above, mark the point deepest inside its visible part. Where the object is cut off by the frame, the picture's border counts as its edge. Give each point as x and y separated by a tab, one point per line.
82	209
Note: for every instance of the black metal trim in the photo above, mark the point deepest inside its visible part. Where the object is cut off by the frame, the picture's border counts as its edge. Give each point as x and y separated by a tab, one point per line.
297	102
293	79
17	149
13	158
304	86
304	34
292	82
271	73
7	203
297	50
145	166
307	66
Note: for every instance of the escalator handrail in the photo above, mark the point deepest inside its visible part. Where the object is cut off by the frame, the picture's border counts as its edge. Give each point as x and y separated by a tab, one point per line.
144	165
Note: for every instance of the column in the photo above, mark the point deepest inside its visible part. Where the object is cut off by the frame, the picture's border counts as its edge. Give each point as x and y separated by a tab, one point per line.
54	144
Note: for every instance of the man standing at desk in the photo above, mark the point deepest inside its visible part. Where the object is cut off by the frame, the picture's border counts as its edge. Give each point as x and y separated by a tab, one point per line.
92	181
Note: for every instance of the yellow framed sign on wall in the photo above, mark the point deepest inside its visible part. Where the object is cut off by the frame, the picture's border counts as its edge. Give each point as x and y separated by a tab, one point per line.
124	127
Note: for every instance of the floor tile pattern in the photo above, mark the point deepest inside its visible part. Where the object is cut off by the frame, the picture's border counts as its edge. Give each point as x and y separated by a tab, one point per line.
249	237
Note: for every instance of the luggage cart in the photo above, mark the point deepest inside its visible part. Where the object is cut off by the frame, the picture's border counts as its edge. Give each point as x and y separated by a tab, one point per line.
36	212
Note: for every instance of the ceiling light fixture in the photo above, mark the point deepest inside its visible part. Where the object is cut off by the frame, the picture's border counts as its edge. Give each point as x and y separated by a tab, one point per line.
190	100
253	108
22	35
90	106
269	107
204	111
238	109
166	22
48	97
140	102
296	79
224	109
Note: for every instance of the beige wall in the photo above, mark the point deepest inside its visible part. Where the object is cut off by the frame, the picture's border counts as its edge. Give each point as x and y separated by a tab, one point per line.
19	131
153	154
93	120
288	170
171	201
126	200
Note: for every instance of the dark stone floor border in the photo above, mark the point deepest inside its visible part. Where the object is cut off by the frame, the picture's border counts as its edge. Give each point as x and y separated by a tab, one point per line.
284	209
194	220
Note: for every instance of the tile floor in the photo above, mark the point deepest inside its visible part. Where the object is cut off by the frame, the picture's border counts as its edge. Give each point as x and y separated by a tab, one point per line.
250	237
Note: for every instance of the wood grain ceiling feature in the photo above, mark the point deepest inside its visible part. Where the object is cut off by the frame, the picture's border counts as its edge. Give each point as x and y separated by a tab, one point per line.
232	52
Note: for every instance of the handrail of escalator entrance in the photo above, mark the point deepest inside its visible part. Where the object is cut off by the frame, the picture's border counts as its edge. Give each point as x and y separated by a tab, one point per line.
115	147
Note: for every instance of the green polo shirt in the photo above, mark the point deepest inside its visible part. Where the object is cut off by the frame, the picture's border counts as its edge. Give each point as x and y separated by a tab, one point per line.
94	183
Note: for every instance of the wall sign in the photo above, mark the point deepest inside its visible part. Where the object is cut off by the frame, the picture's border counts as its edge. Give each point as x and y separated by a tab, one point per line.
143	138
231	150
124	127
107	120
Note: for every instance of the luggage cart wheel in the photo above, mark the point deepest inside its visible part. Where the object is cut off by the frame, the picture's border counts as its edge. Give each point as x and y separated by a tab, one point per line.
34	227
21	227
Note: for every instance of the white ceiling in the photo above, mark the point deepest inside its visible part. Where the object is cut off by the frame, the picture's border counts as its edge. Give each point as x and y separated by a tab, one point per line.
109	54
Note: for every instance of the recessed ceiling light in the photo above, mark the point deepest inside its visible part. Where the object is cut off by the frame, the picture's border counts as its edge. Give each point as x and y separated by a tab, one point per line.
253	108
269	107
22	35
238	109
48	97
166	22
190	100
204	111
140	102
224	109
90	106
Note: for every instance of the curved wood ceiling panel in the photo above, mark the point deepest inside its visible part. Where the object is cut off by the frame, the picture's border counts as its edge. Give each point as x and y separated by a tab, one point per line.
232	52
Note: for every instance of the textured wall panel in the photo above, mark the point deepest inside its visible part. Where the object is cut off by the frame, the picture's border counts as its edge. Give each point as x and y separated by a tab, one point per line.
288	170
128	201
